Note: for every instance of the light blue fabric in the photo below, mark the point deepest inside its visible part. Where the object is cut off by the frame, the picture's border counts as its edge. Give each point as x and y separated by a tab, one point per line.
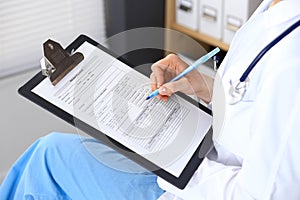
58	166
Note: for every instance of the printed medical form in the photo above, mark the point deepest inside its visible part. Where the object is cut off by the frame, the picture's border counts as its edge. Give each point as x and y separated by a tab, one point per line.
110	96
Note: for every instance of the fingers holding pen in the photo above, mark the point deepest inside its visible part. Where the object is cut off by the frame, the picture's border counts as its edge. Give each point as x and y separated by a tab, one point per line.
158	76
167	89
171	87
163	71
193	83
156	84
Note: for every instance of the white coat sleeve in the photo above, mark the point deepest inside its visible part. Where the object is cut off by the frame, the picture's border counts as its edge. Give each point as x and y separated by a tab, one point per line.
270	168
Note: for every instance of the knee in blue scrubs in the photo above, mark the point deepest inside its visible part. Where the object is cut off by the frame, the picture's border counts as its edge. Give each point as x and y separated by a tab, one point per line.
61	166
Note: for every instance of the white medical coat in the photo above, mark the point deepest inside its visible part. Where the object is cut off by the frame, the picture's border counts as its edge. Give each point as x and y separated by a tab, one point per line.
258	140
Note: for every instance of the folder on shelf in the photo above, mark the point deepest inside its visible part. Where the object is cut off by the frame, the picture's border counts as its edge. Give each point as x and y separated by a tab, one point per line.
210	17
104	97
187	13
236	13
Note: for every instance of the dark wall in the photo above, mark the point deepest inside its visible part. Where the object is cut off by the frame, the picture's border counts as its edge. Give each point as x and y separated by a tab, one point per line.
122	15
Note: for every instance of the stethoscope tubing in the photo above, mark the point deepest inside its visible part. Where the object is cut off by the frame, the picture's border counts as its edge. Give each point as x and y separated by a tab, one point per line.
266	49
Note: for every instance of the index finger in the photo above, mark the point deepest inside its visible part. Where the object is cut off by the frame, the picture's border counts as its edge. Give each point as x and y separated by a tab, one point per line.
157	76
153	82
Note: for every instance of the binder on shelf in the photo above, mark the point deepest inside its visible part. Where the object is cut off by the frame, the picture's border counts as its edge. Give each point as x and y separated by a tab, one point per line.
236	13
187	13
210	17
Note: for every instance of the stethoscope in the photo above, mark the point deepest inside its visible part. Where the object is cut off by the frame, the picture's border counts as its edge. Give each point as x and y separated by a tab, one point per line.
239	88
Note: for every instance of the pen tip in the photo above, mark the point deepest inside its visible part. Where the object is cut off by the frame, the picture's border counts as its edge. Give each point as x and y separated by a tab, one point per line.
147	98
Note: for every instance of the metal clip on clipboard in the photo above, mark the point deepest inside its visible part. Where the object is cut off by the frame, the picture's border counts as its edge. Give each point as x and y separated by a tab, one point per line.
57	62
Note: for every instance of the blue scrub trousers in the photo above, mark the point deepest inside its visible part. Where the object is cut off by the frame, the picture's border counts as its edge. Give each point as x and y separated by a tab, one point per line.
59	166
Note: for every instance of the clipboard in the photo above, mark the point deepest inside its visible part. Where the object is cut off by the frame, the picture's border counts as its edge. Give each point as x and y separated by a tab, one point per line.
180	181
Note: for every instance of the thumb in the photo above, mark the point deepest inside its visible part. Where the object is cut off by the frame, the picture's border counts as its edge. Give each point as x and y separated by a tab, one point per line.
169	88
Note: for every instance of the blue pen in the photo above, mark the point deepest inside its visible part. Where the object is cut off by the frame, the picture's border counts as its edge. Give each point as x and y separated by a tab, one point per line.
198	62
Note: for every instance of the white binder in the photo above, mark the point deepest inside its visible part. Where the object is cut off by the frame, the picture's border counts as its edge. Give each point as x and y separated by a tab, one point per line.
211	18
187	13
236	13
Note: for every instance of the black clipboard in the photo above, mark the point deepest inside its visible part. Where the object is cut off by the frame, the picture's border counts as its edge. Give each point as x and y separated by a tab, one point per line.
187	173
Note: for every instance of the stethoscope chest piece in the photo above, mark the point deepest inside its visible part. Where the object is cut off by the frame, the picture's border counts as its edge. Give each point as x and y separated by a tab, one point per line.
237	91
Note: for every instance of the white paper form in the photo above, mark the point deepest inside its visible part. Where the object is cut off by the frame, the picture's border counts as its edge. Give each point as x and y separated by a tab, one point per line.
110	96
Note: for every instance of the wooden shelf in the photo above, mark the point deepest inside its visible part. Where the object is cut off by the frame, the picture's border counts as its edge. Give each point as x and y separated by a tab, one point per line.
171	24
200	36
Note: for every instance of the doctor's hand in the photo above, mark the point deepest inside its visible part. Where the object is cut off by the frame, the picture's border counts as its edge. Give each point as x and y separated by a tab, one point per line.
194	83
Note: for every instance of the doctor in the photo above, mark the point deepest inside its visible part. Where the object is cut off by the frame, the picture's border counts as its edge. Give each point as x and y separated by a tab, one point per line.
256	129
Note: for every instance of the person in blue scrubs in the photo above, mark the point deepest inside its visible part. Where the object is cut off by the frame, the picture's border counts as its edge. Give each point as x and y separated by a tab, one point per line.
60	166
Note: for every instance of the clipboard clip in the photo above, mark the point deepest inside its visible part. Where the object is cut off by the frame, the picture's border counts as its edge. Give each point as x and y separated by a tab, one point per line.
57	62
